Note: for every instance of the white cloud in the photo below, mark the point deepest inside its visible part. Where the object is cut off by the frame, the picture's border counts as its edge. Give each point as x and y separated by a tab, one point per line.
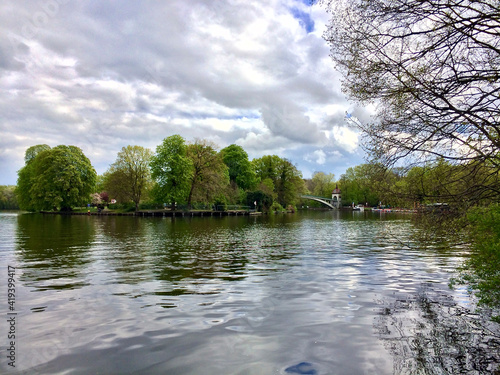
102	75
318	157
346	138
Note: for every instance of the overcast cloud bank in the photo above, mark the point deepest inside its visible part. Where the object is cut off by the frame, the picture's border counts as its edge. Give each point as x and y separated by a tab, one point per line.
103	75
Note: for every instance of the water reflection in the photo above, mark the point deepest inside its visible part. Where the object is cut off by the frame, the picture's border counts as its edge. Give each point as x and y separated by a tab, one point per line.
429	333
189	252
53	250
287	294
185	253
124	248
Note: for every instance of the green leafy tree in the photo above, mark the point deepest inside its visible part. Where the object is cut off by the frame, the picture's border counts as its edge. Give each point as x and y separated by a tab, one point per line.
322	184
262	199
129	176
390	186
290	184
172	170
33	151
100	183
23	188
481	269
210	174
284	176
57	178
25	176
267	167
267	186
8	200
358	186
240	169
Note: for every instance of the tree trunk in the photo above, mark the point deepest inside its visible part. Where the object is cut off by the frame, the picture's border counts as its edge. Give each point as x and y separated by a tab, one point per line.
190	197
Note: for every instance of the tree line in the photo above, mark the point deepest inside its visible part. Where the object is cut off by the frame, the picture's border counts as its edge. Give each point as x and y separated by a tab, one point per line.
8	199
195	174
178	173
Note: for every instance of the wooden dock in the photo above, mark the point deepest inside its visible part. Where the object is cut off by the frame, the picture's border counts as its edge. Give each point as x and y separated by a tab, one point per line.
159	213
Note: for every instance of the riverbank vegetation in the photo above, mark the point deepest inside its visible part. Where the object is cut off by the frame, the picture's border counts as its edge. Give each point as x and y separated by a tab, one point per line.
178	174
8	199
190	175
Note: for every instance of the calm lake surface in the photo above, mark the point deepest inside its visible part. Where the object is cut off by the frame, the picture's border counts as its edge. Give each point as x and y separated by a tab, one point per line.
306	293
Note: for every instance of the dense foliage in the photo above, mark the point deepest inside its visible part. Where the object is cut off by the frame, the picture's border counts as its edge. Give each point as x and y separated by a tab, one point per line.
196	173
179	174
210	176
485	263
172	170
187	173
280	176
321	184
359	186
240	169
129	177
8	199
58	178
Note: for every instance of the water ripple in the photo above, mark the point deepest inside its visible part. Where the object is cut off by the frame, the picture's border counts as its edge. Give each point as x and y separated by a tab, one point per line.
310	293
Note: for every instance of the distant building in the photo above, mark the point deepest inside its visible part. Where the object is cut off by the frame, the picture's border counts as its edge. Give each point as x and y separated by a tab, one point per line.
336	197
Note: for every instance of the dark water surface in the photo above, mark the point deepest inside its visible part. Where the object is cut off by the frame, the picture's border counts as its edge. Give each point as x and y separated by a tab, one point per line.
309	293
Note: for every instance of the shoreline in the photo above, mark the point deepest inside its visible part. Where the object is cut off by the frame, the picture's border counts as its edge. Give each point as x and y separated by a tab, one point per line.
166	213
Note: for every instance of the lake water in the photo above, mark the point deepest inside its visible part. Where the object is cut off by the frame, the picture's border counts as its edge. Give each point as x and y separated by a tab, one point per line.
306	293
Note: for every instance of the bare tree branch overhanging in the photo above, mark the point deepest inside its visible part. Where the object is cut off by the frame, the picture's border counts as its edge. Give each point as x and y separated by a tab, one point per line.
432	68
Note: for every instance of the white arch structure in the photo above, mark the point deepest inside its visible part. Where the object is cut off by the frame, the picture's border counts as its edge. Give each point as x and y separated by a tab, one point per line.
325	201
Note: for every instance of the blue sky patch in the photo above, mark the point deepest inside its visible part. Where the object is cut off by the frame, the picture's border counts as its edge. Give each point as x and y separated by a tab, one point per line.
308	2
304	19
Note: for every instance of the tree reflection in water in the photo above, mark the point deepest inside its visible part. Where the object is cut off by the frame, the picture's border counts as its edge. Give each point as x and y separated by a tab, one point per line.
429	333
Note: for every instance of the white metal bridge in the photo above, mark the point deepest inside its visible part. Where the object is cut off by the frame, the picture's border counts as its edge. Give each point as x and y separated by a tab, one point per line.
326	201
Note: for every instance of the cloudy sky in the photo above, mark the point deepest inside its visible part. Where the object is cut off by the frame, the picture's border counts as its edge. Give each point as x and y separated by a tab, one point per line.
101	75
